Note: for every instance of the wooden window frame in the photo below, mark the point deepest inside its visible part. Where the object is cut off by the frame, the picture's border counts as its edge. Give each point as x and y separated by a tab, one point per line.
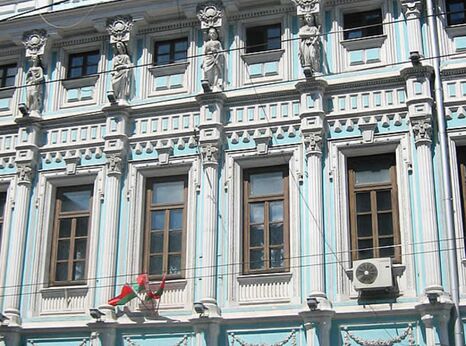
84	66
147	228
447	5
373	189
262	47
172	52
5	76
365	32
246	226
58	215
461	158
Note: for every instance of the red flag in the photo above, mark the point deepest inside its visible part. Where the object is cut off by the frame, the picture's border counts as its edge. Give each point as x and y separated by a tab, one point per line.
157	294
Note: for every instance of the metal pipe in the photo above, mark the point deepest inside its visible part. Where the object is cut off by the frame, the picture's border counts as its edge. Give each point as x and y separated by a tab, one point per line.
444	150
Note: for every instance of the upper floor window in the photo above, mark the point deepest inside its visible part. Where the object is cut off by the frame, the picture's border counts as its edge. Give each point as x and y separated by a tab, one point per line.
168	52
461	155
83	64
2	212
7	75
362	24
266	247
70	235
373	207
165	227
261	38
456	10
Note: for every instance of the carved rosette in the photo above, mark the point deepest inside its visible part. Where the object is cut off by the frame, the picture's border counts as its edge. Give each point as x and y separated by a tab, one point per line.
313	143
411	8
422	130
34	41
24	173
307	6
209	154
114	164
210	14
119	28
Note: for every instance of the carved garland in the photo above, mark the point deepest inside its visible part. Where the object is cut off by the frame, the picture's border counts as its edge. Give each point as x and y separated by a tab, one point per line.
182	342
291	338
408	332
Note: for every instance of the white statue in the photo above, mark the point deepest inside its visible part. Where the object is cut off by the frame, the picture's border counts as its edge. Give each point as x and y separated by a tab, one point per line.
309	46
122	72
213	63
34	85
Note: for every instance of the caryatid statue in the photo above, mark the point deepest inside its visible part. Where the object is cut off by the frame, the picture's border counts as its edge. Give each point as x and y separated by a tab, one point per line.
34	42
309	36
119	29
210	14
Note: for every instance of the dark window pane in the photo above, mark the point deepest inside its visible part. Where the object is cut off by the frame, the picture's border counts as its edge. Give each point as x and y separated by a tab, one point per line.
91	70
78	270
365	248
163	48
276	233
75	72
276	258
158	220
276	211
169	192
384	200
387	249
385	223
176	219
65	228
263	184
2	71
156	242
256	211
171	51
174	244
155	266
61	273
263	38
363	202
256	259
93	59
456	14
179	56
363	24
75	200
162	60
80	249
364	225
9	81
76	60
11	71
2	204
174	264
63	252
181	46
256	237
82	226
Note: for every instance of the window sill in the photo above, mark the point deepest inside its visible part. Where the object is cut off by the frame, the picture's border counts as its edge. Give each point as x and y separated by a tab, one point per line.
365	42
261	57
7	92
80	82
169	69
456	30
247	279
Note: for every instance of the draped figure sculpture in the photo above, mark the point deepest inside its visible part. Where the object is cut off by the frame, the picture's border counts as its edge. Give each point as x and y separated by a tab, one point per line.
122	73
213	63
34	86
309	46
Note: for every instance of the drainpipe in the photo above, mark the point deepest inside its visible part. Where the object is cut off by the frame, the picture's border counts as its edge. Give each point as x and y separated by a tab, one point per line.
440	110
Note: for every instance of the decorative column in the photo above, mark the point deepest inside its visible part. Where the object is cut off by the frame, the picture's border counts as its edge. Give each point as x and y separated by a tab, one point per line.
116	142
435	317
318	325
412	10
119	28
206	331
312	128
310	45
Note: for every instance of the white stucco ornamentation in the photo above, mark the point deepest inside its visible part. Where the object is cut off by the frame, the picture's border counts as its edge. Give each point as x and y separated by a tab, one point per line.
422	130
114	164
289	340
407	333
34	41
210	14
307	6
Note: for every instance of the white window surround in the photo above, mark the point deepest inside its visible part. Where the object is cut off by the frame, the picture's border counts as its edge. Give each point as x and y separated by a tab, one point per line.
98	81
68	299
186	67
284	286
178	293
339	151
279	55
385	41
6	184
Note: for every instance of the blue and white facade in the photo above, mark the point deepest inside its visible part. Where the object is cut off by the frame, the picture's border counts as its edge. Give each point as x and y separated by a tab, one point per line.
369	99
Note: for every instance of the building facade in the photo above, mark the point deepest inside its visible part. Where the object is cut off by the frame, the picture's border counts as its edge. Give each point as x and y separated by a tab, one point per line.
279	161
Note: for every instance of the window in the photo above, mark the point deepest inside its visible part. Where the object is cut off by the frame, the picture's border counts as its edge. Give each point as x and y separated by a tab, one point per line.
169	52
266	247
2	213
374	207
456	12
70	235
362	24
165	227
83	64
261	38
461	155
7	75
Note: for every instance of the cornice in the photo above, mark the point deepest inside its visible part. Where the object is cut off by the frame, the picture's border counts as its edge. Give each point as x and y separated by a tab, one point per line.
349	85
455	71
168	26
79	40
263	12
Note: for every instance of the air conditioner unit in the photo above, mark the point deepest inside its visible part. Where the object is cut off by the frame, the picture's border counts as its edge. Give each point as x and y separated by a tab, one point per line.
372	274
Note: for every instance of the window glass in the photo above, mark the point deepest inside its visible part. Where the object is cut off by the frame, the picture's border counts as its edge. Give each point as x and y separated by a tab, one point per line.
75	200
262	38
168	52
456	12
8	75
266	183
168	192
362	24
83	64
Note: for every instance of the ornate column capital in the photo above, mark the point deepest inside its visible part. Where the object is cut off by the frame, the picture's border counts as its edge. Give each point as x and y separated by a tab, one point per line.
34	41
119	28
25	174
411	8
313	143
209	154
422	130
114	164
210	14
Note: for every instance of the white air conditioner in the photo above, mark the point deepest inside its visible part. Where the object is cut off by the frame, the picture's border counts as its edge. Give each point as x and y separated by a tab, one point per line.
372	274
